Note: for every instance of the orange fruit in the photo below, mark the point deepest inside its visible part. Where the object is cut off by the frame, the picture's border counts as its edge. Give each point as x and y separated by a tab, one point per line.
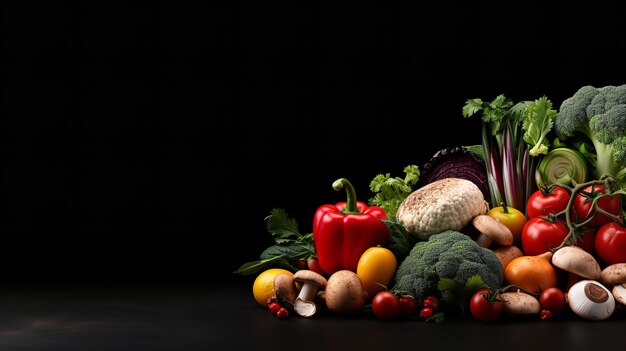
263	286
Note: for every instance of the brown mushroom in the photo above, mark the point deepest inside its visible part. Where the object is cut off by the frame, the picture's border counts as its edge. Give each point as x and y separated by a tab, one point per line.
285	288
619	293
614	274
520	303
492	230
312	282
506	254
345	293
579	263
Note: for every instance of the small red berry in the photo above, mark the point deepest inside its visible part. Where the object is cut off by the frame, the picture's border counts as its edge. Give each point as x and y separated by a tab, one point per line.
426	313
302	264
282	313
274	307
545	315
431	302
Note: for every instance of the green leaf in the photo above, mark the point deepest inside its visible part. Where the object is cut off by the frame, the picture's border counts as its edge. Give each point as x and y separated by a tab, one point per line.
400	241
474	283
254	267
538	120
390	192
293	252
281	227
471	107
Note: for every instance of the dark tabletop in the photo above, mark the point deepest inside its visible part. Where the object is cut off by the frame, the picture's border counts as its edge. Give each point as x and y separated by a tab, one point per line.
204	317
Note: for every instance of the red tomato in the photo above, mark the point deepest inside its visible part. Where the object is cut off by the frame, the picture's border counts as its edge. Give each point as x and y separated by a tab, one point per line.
543	202
583	209
314	265
408	305
541	235
386	305
552	299
482	309
610	243
587	242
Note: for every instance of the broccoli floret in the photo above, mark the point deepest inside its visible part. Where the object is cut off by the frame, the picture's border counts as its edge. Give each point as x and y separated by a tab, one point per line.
449	254
597	116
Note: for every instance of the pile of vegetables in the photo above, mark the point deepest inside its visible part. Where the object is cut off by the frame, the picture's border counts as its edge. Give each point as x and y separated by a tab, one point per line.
487	230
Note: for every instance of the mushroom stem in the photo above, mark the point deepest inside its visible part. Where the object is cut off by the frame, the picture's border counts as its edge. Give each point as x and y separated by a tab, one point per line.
304	304
483	240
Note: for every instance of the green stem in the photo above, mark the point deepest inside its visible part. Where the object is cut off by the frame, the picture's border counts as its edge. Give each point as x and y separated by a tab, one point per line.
351	207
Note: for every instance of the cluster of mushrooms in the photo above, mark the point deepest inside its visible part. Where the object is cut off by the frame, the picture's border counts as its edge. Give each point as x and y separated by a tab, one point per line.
342	293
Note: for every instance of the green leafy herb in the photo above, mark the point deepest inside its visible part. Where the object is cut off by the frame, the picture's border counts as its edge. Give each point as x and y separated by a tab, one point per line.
400	241
390	192
290	247
458	293
538	119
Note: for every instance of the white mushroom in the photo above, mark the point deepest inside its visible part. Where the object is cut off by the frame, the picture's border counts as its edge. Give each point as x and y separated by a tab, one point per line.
448	203
311	283
590	300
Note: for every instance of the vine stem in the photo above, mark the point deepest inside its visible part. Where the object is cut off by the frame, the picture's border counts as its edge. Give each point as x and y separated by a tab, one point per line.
574	192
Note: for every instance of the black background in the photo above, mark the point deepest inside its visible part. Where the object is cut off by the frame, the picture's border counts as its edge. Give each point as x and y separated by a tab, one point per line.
147	142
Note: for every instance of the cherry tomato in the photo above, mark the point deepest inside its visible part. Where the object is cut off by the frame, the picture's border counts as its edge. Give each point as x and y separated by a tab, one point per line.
431	302
583	209
282	313
512	218
386	305
546	201
610	243
314	265
541	235
544	315
274	307
426	313
552	299
484	310
408	305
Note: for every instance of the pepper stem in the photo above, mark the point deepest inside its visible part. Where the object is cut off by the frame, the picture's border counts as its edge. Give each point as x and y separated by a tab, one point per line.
351	201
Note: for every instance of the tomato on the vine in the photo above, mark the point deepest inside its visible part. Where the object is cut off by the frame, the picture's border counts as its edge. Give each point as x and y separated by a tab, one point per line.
482	308
552	299
543	202
541	234
386	305
610	243
583	209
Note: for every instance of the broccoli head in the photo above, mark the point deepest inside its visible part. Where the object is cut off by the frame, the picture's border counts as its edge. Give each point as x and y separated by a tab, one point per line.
449	254
595	119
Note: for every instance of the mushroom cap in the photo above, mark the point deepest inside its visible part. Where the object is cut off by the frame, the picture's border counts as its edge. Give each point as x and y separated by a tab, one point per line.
590	300
614	274
345	293
494	229
574	259
520	303
619	293
285	288
308	276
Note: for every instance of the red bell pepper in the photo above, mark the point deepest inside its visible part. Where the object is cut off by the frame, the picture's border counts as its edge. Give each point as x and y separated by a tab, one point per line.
342	232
